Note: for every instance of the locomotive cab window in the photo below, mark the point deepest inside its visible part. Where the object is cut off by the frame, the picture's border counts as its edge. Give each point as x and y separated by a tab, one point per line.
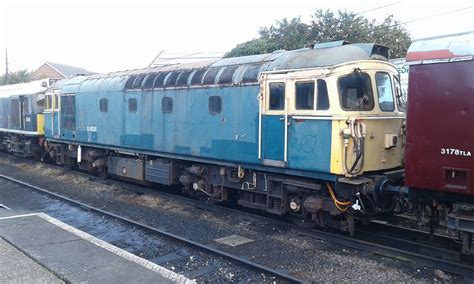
401	99
323	97
215	104
385	91
355	92
304	96
132	105
277	96
56	102
68	112
48	102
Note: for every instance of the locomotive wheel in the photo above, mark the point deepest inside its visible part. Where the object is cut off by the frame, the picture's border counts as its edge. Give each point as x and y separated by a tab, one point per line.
9	146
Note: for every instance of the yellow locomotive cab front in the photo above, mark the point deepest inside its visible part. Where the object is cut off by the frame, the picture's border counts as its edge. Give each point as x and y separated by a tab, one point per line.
367	127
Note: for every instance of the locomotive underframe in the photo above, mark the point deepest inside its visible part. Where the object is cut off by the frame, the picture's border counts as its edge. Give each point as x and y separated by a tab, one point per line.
307	200
22	144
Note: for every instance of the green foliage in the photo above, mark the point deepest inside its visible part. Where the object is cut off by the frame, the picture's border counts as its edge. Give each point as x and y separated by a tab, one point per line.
327	26
21	76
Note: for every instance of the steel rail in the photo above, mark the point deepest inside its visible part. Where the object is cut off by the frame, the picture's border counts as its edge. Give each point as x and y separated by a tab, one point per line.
206	248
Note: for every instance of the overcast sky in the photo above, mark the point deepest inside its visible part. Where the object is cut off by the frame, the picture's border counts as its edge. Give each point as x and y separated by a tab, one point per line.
109	35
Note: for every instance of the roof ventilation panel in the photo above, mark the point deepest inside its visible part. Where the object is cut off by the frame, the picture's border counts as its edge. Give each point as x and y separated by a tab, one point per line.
330	44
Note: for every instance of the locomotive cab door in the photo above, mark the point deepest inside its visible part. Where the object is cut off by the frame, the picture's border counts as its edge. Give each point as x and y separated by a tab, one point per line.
273	118
16	113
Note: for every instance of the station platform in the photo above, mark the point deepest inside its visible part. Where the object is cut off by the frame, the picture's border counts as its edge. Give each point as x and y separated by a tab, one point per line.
36	248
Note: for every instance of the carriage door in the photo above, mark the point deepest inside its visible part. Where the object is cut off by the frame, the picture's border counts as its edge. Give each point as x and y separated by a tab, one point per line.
132	120
274	122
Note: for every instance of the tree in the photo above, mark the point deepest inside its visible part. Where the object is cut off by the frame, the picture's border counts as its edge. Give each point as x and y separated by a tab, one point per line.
327	26
21	76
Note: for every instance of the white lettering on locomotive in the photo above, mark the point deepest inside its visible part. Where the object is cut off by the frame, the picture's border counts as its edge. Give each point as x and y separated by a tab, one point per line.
455	152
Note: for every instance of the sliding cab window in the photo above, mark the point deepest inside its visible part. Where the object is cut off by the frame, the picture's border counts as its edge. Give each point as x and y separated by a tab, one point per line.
304	98
401	97
322	101
355	92
277	96
385	91
48	102
56	102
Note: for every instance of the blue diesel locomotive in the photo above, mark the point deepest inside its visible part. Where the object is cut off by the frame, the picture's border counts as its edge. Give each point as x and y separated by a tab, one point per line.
314	133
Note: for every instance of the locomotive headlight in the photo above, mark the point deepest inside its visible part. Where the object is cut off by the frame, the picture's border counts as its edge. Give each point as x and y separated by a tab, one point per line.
295	204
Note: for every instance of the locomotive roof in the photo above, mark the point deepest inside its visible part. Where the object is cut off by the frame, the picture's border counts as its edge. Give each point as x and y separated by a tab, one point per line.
24	89
235	70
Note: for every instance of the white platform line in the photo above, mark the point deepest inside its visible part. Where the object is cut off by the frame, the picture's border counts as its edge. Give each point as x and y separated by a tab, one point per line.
19	216
173	276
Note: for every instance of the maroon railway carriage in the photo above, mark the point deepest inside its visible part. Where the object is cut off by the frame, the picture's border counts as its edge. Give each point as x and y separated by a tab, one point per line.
440	125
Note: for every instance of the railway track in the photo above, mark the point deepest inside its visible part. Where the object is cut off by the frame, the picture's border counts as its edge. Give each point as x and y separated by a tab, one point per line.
378	238
390	244
205	248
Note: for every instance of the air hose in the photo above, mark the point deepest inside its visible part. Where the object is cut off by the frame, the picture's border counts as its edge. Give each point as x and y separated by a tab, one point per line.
339	204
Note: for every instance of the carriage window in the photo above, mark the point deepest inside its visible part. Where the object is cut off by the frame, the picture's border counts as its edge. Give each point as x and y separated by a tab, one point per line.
385	92
304	96
132	105
323	98
103	105
215	104
68	112
355	92
167	105
277	96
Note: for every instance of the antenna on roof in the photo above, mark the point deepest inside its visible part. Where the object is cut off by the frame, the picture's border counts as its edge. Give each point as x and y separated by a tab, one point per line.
156	58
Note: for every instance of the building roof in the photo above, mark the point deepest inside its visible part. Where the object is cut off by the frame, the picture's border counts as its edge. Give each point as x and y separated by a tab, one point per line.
69	71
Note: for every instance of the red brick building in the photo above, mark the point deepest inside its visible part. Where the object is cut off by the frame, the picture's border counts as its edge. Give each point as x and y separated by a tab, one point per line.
58	71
